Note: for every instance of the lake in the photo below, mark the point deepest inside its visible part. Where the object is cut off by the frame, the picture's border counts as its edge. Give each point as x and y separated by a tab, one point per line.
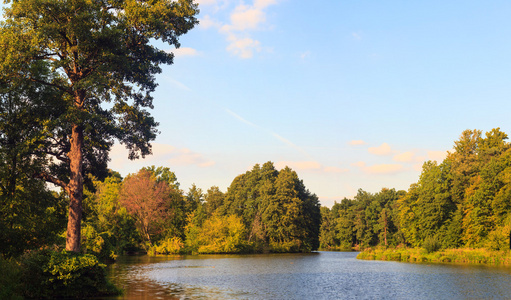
319	275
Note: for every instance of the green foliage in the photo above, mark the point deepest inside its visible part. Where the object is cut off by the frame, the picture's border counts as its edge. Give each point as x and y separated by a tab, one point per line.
464	201
431	244
108	229
463	255
10	277
94	52
49	274
367	220
218	234
276	209
172	245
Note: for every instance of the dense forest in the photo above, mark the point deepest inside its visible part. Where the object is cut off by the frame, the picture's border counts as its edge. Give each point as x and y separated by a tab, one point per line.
463	201
264	210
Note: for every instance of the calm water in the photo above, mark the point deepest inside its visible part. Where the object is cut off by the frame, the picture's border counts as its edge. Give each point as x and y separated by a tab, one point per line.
322	275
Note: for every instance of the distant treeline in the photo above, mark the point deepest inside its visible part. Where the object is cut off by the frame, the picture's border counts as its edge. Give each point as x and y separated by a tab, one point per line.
463	201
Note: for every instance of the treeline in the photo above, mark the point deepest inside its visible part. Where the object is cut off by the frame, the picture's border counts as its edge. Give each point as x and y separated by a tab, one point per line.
264	210
464	201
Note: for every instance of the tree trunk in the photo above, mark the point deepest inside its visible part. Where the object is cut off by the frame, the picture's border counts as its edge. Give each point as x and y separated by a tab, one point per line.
75	190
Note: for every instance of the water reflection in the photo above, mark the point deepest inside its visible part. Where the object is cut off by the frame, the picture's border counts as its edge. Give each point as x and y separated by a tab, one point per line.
323	275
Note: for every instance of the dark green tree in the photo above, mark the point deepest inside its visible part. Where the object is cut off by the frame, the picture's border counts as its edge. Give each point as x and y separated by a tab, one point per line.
99	51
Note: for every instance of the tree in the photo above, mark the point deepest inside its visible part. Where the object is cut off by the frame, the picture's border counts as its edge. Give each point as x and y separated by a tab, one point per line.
194	199
214	199
100	51
30	214
148	202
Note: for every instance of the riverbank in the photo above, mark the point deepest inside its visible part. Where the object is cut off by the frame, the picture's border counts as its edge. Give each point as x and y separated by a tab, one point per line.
465	255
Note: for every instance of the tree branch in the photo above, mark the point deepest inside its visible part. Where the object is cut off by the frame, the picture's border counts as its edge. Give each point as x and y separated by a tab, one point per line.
48	178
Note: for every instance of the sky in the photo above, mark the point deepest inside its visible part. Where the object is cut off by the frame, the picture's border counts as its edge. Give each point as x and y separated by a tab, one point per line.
349	94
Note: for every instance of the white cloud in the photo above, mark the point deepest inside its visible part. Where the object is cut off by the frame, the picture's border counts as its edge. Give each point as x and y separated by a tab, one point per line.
299	165
439	156
359	164
264	3
243	19
405	156
383	149
163	155
206	2
243	47
185	51
356	35
309	166
357	142
207	22
335	170
379	169
384	169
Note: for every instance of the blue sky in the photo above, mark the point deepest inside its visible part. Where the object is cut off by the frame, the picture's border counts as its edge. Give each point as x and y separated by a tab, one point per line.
349	94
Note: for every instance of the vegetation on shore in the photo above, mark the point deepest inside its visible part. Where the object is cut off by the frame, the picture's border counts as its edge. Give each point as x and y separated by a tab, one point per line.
464	202
461	255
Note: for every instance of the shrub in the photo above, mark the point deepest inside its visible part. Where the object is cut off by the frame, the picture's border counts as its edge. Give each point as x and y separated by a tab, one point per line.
9	280
50	274
431	244
172	245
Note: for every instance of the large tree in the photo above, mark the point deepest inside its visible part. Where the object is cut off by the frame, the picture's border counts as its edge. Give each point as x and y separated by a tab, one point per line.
99	51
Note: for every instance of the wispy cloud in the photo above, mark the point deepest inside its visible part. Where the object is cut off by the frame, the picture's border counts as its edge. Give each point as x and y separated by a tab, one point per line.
384	169
380	169
184	51
408	156
299	165
239	118
439	156
269	132
383	149
163	155
243	47
356	35
176	83
357	143
309	166
305	55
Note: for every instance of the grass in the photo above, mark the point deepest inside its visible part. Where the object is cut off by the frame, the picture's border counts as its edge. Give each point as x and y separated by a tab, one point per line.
464	255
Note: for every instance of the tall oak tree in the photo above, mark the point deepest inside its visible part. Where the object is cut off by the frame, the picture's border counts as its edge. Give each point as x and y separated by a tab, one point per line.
99	51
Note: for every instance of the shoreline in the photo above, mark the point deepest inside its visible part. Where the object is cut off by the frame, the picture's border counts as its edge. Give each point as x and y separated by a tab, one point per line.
452	256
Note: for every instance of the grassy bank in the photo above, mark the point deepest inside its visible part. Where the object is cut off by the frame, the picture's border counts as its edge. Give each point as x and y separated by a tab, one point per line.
466	255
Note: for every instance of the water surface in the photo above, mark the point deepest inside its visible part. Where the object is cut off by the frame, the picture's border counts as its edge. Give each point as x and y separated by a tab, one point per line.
321	275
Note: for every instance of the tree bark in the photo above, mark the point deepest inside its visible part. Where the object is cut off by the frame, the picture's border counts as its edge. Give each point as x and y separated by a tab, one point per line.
75	190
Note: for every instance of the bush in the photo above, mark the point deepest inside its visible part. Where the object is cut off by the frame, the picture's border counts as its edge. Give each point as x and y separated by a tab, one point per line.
431	244
50	274
9	280
172	245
